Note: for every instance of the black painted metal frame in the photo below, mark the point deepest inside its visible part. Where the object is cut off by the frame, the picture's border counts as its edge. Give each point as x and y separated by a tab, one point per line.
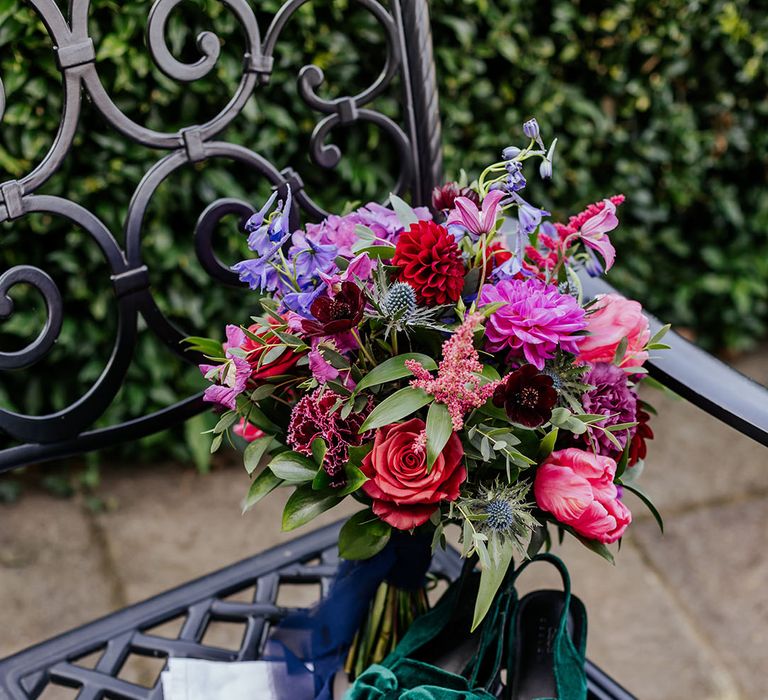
690	372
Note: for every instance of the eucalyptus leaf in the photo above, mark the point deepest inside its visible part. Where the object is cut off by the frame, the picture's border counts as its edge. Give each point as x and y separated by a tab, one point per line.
490	580
404	211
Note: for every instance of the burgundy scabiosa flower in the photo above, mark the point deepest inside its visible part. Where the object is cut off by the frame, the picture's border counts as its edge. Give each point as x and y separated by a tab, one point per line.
612	397
430	261
313	418
444	196
336	313
527	395
534	320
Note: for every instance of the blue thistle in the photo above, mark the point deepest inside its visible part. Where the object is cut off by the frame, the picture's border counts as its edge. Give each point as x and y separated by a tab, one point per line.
501	517
399	300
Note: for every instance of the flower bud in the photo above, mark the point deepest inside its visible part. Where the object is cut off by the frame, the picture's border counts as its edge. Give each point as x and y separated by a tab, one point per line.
510	152
545	169
531	129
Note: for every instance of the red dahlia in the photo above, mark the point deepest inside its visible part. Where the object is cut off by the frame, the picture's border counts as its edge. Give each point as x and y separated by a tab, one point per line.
430	261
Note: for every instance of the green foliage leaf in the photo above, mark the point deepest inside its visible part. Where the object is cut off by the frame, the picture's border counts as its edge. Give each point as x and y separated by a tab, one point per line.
363	536
490	580
255	450
403	210
401	404
262	485
648	503
439	431
293	468
305	505
394	368
547	444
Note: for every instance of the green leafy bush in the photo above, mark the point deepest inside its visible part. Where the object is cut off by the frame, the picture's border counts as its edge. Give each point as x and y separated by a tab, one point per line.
663	101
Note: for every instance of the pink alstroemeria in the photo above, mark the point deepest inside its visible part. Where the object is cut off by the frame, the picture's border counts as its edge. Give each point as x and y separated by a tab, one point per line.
595	229
230	378
477	221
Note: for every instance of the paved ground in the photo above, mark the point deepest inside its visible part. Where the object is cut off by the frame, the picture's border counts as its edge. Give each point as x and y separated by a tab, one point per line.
681	616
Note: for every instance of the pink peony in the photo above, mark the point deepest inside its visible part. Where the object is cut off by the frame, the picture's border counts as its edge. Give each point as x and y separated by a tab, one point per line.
577	488
613	318
534	320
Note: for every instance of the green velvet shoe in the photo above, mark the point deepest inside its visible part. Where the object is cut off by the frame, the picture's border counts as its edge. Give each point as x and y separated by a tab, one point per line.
547	642
469	663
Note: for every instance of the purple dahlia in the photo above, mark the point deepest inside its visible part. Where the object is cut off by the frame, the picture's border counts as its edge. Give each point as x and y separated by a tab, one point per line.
534	320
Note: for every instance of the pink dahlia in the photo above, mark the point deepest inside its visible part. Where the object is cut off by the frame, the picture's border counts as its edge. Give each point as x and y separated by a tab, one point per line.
534	320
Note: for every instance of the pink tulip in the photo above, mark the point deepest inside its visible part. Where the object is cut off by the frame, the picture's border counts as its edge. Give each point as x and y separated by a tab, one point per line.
577	488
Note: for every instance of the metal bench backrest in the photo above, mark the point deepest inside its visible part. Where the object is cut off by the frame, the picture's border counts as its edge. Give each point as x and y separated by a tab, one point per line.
409	65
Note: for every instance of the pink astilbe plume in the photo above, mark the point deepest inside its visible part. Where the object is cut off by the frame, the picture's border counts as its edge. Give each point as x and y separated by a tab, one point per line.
457	384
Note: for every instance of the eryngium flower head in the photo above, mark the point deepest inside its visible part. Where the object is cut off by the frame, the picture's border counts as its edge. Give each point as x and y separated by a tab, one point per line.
399	300
500	515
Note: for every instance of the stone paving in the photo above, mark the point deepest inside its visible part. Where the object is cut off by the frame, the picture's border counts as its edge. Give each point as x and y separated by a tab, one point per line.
684	615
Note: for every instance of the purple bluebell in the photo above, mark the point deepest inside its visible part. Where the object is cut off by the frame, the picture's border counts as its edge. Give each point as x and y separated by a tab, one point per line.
531	129
515	178
514	240
528	215
545	169
267	235
510	152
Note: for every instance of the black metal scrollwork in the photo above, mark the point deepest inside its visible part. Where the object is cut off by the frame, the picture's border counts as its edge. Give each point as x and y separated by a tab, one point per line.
403	22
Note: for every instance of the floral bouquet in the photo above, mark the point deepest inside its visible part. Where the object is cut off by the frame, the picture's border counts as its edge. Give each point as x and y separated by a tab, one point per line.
439	367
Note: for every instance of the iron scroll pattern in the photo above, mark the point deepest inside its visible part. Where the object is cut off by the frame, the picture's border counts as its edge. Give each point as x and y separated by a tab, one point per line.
405	24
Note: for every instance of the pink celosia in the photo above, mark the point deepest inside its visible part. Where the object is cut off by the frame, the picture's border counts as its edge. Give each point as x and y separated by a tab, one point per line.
457	384
534	320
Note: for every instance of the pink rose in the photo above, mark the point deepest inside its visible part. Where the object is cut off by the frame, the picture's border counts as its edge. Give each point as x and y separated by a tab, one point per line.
404	494
577	488
614	318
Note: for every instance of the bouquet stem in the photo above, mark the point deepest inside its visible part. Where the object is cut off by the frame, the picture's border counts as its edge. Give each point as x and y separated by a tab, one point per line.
390	613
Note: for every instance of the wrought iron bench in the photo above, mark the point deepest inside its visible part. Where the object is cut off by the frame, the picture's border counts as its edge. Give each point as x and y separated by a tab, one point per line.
409	66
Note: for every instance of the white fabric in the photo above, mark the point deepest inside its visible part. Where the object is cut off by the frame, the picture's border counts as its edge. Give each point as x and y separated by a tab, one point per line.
196	679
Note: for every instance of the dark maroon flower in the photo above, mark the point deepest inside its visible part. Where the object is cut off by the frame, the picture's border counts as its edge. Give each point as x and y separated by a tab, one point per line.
430	261
313	418
527	395
337	313
637	447
445	195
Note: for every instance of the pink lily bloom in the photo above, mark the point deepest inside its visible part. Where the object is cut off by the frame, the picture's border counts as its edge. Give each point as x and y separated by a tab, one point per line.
477	221
595	229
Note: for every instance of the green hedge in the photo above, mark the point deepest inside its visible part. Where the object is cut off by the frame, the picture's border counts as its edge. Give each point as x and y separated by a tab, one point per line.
663	101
